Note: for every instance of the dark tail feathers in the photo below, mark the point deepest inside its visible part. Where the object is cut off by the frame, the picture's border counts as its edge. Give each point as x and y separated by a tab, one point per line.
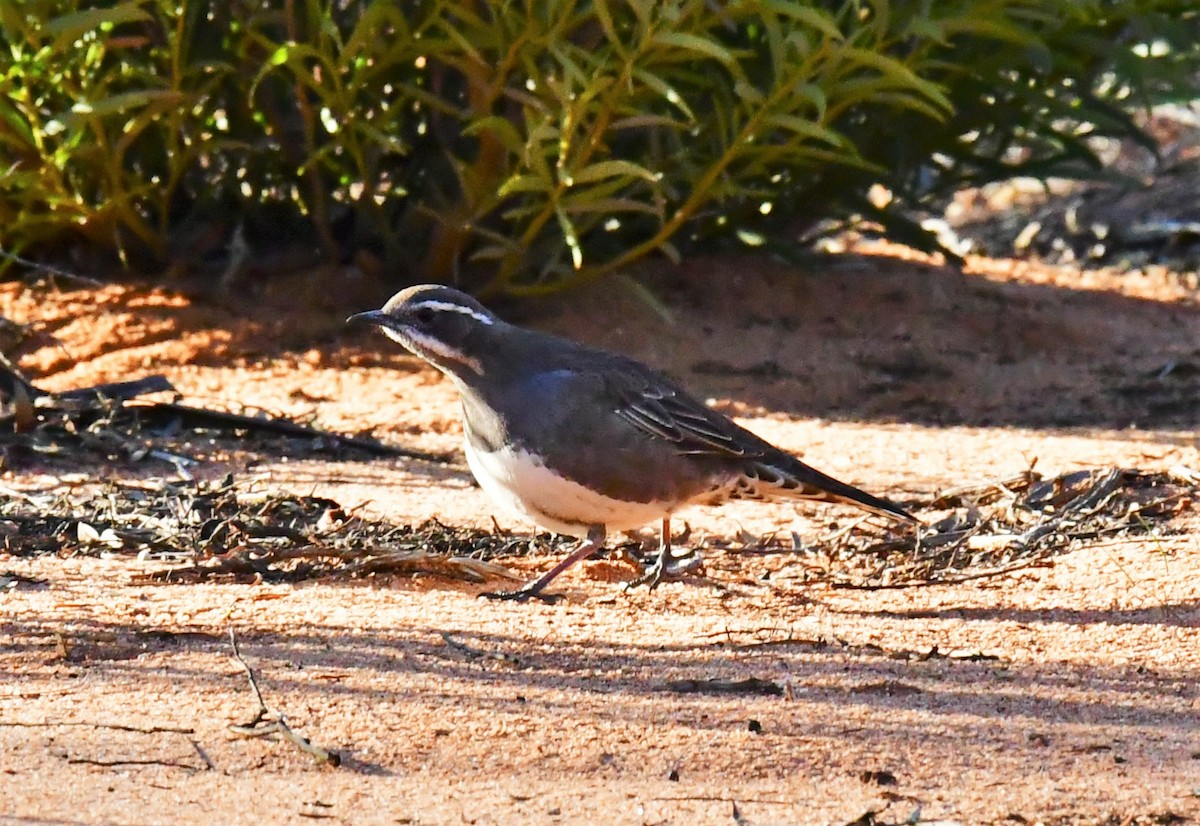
792	476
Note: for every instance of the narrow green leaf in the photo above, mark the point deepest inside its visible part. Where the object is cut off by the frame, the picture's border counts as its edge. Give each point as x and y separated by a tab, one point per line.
806	14
70	27
571	69
644	121
500	128
693	43
604	15
927	29
997	28
17	123
643	9
379	16
611	206
570	237
608	188
992	27
644	294
522	211
907	100
663	88
525	183
296	57
897	74
492	252
384	140
815	94
463	42
748	93
126	101
609	169
807	129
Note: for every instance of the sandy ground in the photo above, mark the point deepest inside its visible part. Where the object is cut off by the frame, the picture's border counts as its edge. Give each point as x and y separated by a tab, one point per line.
1066	694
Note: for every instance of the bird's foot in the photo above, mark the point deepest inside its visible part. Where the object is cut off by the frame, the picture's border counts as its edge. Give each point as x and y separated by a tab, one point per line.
651	577
522	595
666	567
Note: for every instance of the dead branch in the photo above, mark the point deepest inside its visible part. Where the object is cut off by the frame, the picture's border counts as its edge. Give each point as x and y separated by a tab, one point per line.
117	391
203	417
52	271
106	402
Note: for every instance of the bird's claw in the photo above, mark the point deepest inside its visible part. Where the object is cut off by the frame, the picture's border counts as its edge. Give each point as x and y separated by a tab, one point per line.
651	577
666	566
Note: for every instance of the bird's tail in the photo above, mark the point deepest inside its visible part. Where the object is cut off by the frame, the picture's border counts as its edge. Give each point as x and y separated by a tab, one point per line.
788	476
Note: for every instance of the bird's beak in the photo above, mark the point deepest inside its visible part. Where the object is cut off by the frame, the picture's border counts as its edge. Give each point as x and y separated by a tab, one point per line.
377	317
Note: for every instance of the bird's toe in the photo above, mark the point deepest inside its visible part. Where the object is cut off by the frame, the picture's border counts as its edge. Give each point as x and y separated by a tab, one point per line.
522	595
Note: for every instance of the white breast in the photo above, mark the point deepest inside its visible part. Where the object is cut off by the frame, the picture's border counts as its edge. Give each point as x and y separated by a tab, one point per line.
529	490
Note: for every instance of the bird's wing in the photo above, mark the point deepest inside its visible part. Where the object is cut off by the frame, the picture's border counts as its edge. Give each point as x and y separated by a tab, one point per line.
656	407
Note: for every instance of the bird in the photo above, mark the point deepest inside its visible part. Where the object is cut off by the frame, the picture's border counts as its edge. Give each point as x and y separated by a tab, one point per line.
584	442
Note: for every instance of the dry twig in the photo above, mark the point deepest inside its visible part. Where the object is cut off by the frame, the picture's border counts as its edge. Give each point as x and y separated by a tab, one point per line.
267	723
749	685
478	653
131	761
110	726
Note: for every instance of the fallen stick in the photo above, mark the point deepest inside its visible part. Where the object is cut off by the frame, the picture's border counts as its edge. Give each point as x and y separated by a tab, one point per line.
119	391
14	386
218	418
266	723
110	726
13	383
129	761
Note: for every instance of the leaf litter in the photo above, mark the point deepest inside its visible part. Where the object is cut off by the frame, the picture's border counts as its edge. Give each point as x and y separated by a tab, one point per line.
230	530
1000	527
114	422
234	530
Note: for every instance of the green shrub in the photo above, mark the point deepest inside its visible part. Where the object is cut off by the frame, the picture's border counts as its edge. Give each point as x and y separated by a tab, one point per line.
527	146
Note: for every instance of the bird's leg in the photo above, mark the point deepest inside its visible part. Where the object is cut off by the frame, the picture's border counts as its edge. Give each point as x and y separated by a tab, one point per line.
533	589
653	575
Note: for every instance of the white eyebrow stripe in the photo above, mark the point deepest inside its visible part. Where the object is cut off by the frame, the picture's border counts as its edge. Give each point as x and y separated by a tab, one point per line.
455	308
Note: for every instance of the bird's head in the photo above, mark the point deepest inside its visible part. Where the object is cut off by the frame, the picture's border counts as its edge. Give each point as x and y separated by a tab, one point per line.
441	325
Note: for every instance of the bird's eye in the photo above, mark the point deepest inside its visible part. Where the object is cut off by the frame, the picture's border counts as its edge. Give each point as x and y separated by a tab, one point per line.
424	316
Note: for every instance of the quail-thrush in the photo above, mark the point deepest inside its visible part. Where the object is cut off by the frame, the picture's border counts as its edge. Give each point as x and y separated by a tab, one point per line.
584	442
